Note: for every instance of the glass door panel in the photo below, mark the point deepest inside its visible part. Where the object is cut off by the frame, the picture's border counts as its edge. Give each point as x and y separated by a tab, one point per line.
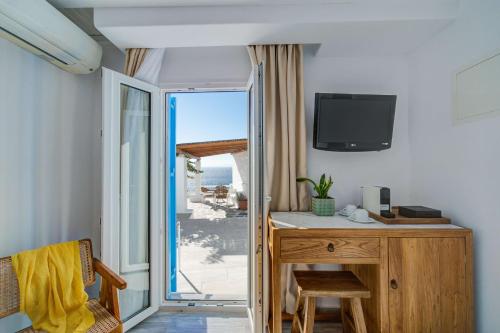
135	163
132	191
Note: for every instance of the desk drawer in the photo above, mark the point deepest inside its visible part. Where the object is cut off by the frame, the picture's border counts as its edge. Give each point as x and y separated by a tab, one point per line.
324	248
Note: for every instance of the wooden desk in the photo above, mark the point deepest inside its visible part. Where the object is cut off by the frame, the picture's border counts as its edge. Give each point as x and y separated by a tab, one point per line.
420	276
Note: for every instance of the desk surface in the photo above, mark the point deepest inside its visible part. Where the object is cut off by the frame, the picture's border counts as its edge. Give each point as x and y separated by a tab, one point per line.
307	220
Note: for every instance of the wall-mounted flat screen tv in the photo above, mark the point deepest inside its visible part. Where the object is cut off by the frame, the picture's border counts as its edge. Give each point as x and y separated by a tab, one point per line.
347	122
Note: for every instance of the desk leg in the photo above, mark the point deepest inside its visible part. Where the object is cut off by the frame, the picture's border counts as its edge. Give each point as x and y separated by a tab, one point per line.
276	296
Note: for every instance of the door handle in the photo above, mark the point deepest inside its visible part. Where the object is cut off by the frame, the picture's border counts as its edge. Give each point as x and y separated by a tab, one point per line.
394	284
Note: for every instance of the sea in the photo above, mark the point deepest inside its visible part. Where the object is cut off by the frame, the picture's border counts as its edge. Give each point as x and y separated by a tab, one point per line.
213	176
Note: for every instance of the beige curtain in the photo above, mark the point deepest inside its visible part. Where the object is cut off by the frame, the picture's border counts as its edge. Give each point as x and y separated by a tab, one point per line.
285	124
285	142
133	60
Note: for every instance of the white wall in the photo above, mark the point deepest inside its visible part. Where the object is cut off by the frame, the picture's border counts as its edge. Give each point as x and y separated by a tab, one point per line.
181	184
49	137
205	67
50	169
240	172
50	166
388	75
457	168
112	57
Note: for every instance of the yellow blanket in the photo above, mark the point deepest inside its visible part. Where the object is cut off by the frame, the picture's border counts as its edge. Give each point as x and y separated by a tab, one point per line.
51	288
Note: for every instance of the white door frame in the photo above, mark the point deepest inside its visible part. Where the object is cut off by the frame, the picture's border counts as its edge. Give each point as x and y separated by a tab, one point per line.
111	150
258	294
256	195
185	305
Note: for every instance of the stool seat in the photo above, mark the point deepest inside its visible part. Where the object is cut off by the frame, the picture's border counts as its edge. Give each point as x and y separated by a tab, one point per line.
342	284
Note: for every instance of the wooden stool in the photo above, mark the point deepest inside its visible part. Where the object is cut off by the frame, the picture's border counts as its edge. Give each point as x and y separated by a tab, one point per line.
313	284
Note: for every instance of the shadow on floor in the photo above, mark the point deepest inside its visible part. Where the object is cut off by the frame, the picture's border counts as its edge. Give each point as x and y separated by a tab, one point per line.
230	211
226	236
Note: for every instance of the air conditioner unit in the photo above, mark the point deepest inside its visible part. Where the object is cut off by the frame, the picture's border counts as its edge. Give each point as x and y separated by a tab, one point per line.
41	29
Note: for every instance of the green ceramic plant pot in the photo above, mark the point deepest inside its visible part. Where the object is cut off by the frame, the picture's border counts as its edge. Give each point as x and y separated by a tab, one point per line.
323	207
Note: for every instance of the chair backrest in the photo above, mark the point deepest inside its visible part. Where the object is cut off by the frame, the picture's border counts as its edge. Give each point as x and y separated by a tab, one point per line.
9	289
221	191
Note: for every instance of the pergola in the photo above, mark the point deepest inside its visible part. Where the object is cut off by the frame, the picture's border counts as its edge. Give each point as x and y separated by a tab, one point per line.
210	148
197	150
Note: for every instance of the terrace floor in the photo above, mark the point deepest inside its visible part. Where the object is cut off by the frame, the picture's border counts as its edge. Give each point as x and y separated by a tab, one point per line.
212	255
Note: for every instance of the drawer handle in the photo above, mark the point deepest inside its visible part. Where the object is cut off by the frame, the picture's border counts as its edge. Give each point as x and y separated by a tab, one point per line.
330	247
394	284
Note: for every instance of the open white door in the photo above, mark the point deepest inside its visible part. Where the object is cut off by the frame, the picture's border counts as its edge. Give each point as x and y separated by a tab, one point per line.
131	195
256	199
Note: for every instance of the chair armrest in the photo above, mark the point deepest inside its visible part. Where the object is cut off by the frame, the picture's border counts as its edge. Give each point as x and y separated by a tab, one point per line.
106	273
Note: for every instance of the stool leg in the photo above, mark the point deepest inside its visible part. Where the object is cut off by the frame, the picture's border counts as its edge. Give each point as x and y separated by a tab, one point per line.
299	307
310	310
357	314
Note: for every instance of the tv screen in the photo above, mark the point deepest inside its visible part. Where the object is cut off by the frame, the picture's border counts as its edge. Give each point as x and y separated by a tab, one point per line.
345	122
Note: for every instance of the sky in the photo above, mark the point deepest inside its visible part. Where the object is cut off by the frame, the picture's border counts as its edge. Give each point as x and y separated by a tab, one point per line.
210	116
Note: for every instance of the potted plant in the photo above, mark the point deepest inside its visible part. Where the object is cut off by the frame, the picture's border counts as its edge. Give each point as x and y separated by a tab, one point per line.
322	204
242	201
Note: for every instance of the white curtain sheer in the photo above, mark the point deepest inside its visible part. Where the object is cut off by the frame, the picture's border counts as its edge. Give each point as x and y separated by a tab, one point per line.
136	116
150	68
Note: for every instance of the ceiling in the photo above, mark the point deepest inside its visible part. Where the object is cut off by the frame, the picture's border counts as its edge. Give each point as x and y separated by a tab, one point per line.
167	3
338	27
84	18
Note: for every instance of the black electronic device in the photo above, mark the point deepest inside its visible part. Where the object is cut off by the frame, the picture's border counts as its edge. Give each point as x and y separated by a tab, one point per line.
349	122
419	212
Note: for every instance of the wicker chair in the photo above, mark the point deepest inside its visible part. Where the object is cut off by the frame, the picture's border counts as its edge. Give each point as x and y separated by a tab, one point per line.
106	309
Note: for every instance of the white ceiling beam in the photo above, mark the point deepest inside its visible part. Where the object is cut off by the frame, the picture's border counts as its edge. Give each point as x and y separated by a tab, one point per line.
170	3
273	14
371	25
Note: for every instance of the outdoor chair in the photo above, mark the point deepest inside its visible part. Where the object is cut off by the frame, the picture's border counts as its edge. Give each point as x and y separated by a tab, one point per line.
206	193
221	194
106	309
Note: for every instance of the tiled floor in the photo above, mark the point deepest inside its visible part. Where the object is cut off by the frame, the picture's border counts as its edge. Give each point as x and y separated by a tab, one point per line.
217	322
213	249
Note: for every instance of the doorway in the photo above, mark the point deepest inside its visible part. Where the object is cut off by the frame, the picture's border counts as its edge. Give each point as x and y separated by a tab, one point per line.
208	225
139	133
